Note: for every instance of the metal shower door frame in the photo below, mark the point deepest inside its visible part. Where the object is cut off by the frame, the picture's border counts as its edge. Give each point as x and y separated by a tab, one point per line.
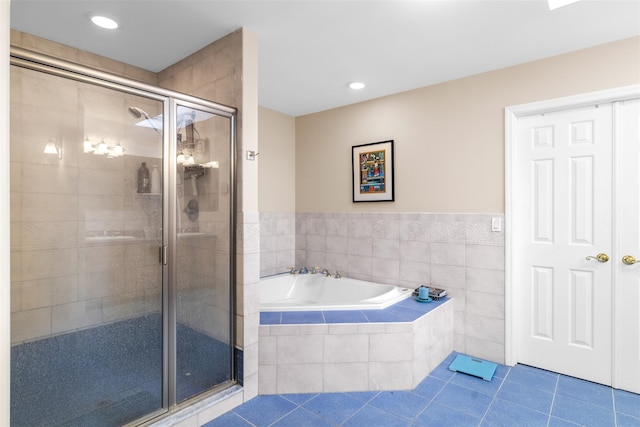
170	100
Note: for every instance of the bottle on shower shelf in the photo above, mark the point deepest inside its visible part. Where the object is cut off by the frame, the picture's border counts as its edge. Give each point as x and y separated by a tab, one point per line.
144	181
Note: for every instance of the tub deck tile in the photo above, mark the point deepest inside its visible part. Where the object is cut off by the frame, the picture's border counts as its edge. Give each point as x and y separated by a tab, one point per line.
381	316
407	310
345	316
270	318
302	317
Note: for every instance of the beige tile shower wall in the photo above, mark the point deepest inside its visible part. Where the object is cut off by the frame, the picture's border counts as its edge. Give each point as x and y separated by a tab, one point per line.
62	278
88	59
56	276
456	252
226	72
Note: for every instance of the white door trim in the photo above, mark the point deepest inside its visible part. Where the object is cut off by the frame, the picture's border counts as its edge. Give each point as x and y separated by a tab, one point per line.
511	194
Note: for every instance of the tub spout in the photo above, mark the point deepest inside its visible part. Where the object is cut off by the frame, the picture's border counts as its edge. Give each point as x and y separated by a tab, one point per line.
303	270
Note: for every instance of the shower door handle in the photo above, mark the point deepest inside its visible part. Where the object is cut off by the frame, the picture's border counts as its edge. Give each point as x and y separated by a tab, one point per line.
163	255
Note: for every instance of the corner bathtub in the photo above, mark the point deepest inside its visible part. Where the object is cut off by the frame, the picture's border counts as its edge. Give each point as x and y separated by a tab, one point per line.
317	292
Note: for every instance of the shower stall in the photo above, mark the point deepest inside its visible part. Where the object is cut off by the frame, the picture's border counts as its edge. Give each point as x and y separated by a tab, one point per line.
122	246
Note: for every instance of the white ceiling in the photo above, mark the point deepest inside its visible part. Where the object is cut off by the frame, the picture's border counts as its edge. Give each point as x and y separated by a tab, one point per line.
309	50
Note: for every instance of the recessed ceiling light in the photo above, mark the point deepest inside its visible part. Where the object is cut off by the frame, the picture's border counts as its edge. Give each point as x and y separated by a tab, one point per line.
356	85
104	22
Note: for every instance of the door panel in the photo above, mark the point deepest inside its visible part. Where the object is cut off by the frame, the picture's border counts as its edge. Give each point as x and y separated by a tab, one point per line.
565	299
628	320
87	326
203	282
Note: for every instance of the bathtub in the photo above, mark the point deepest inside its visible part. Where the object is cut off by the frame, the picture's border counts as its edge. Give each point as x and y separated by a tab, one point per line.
315	292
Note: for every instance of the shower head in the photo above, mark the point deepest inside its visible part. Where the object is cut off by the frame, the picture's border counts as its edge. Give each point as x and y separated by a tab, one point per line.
139	112
135	112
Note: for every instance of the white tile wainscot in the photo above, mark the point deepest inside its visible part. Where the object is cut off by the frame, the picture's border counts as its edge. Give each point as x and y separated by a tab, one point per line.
341	357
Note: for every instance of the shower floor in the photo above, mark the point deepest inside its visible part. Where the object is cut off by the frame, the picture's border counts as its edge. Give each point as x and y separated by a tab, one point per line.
109	375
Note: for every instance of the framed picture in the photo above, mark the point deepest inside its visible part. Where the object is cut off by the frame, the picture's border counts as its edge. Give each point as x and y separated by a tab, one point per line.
372	166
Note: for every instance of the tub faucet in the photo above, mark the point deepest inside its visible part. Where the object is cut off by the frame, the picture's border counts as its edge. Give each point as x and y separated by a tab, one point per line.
338	275
315	270
303	270
292	270
326	272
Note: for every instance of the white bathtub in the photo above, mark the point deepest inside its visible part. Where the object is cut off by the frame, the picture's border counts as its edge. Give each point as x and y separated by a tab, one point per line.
314	292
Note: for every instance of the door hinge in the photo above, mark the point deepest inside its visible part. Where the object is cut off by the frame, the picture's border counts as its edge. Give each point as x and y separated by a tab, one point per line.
162	255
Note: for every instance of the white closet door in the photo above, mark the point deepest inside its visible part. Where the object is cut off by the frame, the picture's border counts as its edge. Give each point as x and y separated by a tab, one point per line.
564	211
628	214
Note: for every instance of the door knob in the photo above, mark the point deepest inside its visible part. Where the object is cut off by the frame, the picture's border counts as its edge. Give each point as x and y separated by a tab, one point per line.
629	259
600	257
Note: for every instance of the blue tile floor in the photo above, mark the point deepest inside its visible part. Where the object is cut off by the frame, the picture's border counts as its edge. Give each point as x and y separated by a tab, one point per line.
518	396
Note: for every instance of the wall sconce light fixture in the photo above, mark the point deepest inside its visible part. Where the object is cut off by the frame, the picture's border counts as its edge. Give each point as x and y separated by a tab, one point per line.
102	149
53	148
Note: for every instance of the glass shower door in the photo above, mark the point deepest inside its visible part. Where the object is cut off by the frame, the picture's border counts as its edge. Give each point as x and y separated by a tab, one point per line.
86	281
203	258
122	247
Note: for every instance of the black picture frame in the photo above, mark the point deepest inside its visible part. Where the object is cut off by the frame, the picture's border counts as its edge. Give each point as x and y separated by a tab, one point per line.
372	167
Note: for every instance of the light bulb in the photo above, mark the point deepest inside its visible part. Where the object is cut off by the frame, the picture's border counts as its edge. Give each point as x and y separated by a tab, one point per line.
117	150
104	22
88	146
102	148
50	148
180	158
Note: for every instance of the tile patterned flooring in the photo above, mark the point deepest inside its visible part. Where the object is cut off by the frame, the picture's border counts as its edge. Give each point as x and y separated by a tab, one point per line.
517	396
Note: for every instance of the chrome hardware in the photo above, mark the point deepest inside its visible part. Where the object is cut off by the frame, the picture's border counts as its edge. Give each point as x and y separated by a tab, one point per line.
314	270
629	259
600	257
326	272
162	254
303	270
292	270
338	275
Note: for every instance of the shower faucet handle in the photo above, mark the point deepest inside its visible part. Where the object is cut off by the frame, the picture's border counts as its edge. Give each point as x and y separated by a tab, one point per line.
314	270
292	270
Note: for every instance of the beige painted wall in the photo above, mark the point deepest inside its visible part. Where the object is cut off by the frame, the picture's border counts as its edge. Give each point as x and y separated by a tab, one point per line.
276	161
449	138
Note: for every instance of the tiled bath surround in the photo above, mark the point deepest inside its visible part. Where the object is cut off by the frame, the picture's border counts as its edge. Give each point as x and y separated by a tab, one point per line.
341	357
277	242
457	252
